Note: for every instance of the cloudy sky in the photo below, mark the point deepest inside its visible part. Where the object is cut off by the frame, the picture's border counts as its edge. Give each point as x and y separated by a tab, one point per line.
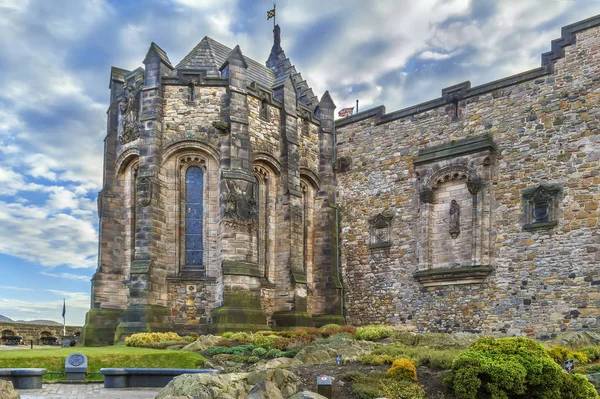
55	60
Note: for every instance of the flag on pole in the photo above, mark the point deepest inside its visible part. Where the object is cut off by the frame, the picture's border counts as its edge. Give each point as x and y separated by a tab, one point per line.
271	13
64	308
346	112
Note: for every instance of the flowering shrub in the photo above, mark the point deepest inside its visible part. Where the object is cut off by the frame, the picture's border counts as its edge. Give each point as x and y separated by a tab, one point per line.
403	369
144	339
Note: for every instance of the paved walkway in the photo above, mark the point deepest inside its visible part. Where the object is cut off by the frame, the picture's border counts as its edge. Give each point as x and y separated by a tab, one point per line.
85	391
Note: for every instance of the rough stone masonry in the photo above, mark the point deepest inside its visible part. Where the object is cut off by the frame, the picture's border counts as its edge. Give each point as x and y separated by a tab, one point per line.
232	201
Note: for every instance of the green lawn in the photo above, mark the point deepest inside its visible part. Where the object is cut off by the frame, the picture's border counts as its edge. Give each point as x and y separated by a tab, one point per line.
98	357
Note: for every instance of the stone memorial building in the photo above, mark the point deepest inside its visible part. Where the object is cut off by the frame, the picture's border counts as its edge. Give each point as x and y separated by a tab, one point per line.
232	201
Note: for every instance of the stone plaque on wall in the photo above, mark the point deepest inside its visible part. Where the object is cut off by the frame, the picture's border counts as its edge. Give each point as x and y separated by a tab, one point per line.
380	230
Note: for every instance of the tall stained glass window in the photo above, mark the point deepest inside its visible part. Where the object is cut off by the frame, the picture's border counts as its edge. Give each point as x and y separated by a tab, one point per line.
193	217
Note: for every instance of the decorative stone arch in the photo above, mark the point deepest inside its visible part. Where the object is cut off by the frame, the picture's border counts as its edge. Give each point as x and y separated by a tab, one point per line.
266	174
178	159
190	146
8	332
263	158
46	334
125	159
310	176
454	197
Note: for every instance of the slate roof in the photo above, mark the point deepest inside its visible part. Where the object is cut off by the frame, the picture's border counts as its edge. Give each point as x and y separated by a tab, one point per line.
209	55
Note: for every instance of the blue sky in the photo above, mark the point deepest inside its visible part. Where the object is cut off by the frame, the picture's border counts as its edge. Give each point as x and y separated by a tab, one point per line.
55	60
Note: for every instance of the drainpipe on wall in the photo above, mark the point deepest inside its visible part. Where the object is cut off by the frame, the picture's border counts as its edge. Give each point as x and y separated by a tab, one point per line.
337	224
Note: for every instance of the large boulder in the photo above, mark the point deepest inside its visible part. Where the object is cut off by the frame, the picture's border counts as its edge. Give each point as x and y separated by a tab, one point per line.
228	386
276	363
265	390
8	391
307	395
350	349
202	343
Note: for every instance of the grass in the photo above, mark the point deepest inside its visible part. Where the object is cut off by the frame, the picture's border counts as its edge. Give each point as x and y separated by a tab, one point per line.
99	357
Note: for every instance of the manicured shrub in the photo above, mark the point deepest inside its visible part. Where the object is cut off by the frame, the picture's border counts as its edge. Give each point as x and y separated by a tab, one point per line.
259	352
283	343
403	369
144	339
560	354
274	353
291	353
328	326
373	333
577	386
402	390
239	357
263	341
592	352
241	349
377	360
218	350
253	359
510	368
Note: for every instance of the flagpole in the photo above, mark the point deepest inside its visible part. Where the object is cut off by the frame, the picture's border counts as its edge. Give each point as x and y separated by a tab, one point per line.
63	315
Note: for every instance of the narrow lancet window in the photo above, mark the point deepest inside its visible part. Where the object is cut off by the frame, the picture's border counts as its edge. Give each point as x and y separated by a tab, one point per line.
193	217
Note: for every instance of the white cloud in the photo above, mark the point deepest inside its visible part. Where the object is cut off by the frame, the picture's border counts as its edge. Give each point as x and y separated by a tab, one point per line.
68	276
77	304
11	287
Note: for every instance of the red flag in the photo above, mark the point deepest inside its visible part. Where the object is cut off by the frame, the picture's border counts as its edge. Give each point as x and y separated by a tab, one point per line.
346	112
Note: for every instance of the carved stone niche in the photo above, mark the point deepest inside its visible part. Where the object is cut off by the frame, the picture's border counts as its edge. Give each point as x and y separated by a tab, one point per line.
454	201
540	207
380	229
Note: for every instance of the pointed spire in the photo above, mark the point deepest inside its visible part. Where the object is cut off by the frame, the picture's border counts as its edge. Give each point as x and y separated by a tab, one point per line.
162	55
235	57
276	50
326	101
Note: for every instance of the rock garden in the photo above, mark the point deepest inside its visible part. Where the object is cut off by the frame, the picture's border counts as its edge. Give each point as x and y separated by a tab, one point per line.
380	362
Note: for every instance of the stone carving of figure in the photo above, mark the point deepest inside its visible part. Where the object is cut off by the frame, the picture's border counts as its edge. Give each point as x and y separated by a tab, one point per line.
454	219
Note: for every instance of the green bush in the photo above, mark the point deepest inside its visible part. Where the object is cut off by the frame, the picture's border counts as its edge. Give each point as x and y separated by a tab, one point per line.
510	368
402	390
291	353
259	352
143	340
241	349
403	369
218	350
262	341
328	326
373	333
377	360
560	354
592	352
253	359
274	353
577	386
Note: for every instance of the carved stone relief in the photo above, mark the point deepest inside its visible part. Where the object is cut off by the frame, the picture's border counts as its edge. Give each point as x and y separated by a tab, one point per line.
129	108
380	230
541	206
144	191
239	203
454	219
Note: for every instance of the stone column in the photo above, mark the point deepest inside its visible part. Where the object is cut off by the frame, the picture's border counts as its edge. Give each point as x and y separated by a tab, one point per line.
107	283
327	285
241	309
147	310
290	277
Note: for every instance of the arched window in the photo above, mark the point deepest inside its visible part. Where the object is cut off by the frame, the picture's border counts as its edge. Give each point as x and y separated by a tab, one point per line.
262	232
194	248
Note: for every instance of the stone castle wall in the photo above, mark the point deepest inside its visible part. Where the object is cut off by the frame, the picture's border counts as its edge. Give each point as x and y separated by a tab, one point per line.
546	131
36	331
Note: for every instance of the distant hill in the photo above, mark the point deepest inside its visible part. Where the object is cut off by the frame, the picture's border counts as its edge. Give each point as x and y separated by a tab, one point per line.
44	322
4	319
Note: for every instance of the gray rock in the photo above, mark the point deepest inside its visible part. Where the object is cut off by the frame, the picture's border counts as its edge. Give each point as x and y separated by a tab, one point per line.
7	391
264	390
350	349
228	386
307	395
202	343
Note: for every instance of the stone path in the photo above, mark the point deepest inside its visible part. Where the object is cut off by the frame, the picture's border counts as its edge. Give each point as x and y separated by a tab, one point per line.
85	391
